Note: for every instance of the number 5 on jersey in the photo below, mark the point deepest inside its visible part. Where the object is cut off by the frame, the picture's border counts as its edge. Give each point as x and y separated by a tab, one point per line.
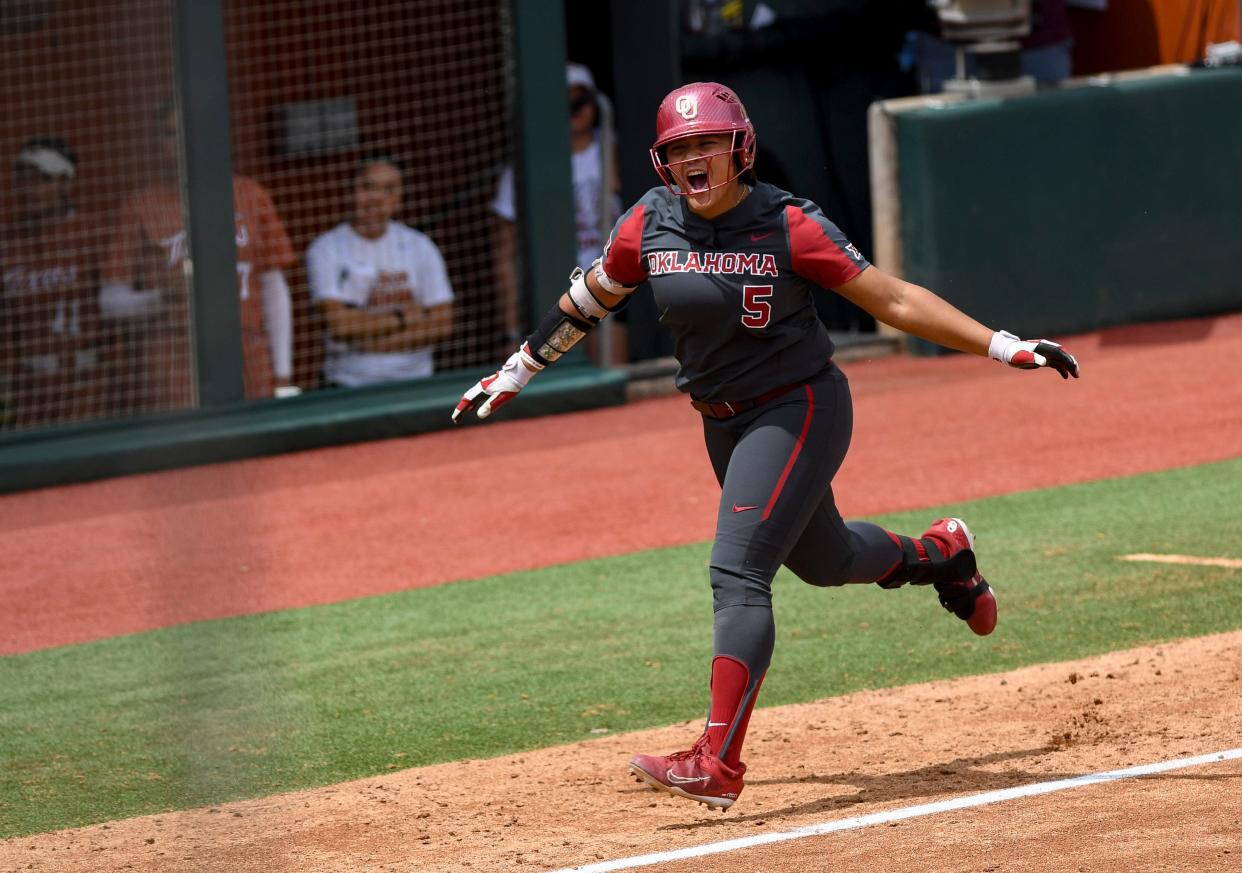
758	311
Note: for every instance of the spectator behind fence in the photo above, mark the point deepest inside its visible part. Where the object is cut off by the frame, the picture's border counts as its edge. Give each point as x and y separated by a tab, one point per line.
381	286
145	288
596	208
54	356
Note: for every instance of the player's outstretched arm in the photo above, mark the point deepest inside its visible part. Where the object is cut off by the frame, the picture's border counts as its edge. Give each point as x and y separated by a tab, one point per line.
584	305
914	309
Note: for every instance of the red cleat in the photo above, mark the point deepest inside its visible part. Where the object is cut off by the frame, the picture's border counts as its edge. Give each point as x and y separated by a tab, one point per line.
970	599
695	774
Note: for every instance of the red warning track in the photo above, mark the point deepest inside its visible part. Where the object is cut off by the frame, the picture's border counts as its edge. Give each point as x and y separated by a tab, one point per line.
108	558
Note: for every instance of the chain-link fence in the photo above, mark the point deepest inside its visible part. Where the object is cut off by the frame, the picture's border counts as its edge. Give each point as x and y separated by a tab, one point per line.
80	140
366	144
360	118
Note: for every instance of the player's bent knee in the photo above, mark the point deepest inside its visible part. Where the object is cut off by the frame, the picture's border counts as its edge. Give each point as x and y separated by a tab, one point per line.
731	587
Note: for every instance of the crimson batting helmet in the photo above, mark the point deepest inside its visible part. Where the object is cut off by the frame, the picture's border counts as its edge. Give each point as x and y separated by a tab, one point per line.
697	108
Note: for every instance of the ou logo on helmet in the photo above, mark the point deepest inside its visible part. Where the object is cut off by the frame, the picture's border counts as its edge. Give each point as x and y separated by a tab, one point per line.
687	106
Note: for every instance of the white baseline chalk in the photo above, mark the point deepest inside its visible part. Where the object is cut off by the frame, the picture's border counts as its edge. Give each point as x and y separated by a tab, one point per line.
892	815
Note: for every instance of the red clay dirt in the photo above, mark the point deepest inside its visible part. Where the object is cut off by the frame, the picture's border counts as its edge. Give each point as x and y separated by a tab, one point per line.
125	555
818	762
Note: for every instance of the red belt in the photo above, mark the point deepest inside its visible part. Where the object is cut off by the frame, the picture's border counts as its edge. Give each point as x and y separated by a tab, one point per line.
728	409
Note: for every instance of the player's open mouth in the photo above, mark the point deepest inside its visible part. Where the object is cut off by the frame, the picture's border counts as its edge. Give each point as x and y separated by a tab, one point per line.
697	181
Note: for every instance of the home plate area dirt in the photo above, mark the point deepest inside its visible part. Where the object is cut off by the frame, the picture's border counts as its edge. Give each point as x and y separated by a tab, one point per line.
811	763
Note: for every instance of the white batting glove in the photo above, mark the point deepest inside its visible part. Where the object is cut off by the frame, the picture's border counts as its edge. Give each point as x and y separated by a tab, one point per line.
1032	354
494	391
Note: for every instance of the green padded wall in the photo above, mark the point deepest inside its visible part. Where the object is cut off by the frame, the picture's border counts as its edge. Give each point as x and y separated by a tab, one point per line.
38	459
1080	208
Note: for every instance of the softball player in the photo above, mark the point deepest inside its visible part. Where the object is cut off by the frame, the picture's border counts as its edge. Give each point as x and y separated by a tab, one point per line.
733	265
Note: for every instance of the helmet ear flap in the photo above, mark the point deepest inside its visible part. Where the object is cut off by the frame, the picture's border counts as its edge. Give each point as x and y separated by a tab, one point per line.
744	143
749	144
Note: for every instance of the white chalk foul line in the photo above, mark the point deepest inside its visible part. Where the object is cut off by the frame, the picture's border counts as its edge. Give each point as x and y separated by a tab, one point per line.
892	815
1228	563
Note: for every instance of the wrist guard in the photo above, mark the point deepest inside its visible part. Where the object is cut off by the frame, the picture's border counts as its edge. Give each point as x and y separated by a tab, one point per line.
557	333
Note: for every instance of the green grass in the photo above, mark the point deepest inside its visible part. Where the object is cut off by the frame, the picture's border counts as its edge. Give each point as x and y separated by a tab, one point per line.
204	713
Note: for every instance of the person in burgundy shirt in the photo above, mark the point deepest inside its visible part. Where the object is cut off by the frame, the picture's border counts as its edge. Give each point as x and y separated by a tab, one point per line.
734	265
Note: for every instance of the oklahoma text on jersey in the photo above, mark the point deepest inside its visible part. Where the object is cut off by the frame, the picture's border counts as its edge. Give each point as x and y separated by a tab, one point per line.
659	263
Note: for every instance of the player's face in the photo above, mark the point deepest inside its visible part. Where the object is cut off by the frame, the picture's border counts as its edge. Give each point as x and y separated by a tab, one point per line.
702	166
377	194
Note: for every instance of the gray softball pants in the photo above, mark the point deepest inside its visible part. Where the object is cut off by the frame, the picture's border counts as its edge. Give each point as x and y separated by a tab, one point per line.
775	464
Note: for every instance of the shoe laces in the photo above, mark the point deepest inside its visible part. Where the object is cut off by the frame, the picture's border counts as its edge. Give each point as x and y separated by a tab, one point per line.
700	748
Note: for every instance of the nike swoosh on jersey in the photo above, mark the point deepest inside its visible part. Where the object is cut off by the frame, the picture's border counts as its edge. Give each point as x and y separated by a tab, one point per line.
756	237
737	508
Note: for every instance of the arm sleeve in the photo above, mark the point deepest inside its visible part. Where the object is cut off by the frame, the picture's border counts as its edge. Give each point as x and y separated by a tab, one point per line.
275	250
278	320
120	300
623	255
818	249
433	284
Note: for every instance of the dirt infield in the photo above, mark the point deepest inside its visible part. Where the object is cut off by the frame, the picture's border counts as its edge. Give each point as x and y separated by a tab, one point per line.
810	763
132	554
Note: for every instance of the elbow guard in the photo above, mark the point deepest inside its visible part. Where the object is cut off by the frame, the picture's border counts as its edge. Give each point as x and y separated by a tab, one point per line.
612	287
588	305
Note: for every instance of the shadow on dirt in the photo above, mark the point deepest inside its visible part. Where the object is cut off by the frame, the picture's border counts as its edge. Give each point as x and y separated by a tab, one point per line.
932	782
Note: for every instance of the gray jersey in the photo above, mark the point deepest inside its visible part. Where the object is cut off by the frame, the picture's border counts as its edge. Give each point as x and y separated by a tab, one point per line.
737	291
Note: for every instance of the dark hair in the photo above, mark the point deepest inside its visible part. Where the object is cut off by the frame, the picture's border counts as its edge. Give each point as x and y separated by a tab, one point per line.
55	143
376	158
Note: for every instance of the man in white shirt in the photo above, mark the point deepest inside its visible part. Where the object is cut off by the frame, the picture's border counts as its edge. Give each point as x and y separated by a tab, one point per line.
381	286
